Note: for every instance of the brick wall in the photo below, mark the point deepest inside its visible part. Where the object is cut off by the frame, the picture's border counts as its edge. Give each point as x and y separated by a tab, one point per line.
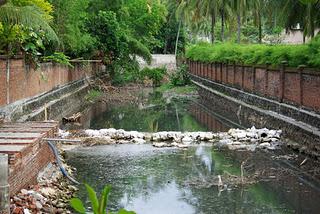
300	87
26	82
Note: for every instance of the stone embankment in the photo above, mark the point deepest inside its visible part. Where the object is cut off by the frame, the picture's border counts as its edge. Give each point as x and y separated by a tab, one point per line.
249	139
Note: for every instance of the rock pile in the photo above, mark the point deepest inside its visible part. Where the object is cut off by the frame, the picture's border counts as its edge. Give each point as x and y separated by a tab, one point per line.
48	196
250	139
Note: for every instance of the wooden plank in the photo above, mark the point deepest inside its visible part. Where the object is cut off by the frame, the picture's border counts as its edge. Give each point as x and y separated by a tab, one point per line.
19	135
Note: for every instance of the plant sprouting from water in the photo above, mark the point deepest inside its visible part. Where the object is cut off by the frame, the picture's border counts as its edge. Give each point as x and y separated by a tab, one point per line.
98	206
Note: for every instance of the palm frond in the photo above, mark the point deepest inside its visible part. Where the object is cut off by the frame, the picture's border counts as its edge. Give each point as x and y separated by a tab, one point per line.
29	16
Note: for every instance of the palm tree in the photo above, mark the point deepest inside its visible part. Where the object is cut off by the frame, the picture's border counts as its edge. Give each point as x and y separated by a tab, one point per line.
257	8
294	12
239	7
28	16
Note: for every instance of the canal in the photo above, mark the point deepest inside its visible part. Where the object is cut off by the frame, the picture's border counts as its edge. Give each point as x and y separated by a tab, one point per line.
170	180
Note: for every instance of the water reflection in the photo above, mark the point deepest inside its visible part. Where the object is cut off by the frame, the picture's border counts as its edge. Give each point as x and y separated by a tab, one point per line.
205	156
151	180
168	199
154	114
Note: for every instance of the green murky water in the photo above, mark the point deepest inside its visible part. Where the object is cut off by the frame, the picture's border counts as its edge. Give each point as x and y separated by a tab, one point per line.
149	180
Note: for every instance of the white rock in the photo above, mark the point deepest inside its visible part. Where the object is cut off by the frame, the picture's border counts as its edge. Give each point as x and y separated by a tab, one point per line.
138	141
182	146
24	191
26	211
187	140
47	191
92	133
63	133
241	134
159	145
38	205
264	145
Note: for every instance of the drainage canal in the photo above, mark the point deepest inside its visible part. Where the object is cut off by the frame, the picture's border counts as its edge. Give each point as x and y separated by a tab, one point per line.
199	179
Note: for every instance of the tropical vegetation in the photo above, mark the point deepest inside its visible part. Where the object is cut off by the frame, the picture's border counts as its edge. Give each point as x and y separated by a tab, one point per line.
120	32
99	206
258	54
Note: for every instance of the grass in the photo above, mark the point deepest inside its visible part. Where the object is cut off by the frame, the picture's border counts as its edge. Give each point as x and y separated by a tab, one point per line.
93	95
167	87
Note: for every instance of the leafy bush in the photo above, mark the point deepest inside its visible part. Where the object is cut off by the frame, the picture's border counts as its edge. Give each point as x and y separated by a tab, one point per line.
58	57
154	74
256	54
180	77
98	206
314	47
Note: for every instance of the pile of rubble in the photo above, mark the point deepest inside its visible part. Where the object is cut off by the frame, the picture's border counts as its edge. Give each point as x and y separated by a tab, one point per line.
248	139
50	195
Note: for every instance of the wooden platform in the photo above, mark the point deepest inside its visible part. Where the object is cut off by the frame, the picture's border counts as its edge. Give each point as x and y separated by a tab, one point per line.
28	154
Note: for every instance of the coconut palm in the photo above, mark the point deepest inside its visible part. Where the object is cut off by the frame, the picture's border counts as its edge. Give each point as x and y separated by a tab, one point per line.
28	16
239	8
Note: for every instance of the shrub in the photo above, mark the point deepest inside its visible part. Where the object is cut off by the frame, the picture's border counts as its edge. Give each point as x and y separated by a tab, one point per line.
180	77
154	74
256	54
58	57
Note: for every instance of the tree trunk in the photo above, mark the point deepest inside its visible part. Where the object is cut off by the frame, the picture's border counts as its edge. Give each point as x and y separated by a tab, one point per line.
2	2
260	27
177	39
239	27
222	25
213	24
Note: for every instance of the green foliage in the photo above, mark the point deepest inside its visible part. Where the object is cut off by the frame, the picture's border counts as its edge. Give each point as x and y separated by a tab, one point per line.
93	95
168	33
180	77
144	19
295	55
154	74
98	206
169	88
43	5
314	47
106	29
58	57
70	24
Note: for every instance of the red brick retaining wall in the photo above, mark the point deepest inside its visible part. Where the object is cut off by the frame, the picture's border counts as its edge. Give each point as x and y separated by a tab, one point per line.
18	80
300	87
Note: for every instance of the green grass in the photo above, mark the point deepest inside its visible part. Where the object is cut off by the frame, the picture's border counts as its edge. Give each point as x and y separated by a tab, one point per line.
254	54
93	95
167	87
